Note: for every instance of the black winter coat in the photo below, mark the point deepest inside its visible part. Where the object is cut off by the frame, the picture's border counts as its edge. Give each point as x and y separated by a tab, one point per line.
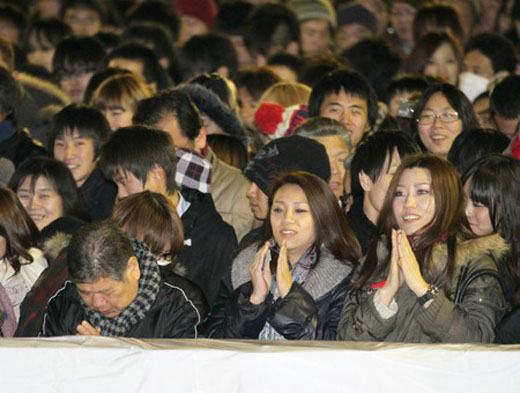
171	315
308	312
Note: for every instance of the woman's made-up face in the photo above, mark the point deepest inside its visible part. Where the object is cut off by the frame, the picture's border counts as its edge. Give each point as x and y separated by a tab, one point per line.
291	220
443	64
414	203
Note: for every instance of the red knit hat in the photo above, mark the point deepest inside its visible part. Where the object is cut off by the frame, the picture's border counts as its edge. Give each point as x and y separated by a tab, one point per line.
205	10
275	121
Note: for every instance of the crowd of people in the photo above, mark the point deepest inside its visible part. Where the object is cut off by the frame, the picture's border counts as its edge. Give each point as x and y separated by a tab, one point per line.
274	170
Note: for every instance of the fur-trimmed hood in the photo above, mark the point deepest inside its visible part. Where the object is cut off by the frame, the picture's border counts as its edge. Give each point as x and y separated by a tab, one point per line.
212	106
54	245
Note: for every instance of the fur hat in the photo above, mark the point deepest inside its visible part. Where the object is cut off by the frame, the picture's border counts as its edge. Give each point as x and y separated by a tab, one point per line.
292	153
211	105
314	9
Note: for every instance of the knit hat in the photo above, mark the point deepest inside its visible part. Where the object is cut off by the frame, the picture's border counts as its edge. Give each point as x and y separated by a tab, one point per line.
205	10
275	121
193	171
292	153
314	9
349	14
211	105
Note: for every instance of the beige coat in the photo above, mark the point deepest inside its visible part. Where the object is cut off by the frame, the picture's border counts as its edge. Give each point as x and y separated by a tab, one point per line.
228	189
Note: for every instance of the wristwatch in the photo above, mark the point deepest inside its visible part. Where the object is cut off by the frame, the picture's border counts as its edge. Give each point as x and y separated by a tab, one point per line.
429	295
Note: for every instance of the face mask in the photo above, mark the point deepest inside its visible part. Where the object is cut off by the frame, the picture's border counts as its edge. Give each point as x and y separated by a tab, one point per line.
472	84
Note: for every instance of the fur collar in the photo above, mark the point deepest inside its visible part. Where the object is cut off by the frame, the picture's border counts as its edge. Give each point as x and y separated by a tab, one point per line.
327	274
53	245
472	249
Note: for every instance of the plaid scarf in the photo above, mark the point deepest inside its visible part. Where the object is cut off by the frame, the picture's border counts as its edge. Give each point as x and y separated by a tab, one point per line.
193	171
149	285
300	272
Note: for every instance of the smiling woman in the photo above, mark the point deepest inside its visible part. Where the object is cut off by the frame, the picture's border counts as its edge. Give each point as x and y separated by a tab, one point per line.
292	286
425	278
48	193
442	113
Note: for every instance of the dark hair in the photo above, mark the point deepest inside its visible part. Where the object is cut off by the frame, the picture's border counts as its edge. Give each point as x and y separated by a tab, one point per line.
456	98
10	93
78	54
363	55
47	32
316	67
371	153
352	83
255	80
472	144
177	103
138	149
447	223
505	100
151	218
60	178
14	15
271	26
208	52
441	17
330	224
98	250
17	228
153	35
98	78
152	70
293	62
228	149
158	12
316	127
427	45
495	183
405	83
231	18
496	48
88	121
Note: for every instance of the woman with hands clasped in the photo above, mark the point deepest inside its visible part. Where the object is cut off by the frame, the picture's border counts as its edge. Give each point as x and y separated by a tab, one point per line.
426	277
291	286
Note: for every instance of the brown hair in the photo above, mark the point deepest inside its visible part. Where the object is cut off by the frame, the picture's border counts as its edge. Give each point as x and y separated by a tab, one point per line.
287	94
120	90
17	228
330	223
446	224
151	218
427	45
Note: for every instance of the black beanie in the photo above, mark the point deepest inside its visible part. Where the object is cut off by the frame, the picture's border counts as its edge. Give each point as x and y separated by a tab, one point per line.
292	153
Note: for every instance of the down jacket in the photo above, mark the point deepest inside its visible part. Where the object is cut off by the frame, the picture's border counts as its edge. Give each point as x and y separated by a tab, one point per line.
308	312
472	320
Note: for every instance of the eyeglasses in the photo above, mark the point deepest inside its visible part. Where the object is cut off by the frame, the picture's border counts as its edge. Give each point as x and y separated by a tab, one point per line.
446	117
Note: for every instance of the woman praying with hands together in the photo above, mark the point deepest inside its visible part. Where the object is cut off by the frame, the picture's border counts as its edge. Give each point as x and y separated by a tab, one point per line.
293	285
426	278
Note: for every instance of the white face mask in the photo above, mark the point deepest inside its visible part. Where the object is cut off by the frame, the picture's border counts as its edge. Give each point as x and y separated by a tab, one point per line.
472	84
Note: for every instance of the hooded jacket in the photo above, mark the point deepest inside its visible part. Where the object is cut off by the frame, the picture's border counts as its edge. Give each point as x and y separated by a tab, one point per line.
472	320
